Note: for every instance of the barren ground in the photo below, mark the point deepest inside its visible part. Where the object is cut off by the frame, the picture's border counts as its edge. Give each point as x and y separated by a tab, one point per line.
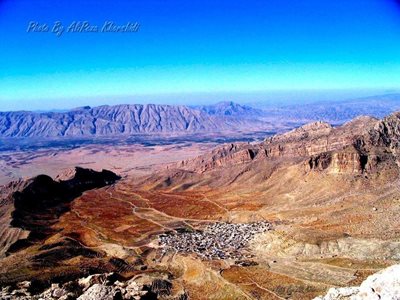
123	159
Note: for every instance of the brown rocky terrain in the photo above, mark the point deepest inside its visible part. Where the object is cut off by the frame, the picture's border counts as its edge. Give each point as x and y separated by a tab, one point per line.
330	195
332	191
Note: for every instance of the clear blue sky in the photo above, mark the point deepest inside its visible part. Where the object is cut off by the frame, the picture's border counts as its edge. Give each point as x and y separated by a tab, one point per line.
187	47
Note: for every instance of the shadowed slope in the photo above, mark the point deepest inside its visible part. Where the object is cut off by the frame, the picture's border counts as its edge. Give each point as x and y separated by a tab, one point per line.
38	203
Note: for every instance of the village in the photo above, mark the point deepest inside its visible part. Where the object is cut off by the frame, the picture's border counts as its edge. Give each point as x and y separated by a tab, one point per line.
216	241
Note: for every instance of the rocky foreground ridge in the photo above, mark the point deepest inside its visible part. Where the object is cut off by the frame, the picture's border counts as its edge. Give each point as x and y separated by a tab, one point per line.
108	286
382	285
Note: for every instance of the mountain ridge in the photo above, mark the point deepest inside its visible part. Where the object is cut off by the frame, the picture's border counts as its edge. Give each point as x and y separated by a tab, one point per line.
230	108
223	117
117	120
361	147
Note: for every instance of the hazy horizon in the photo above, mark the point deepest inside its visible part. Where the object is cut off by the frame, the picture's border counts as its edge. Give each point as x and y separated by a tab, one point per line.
204	47
255	99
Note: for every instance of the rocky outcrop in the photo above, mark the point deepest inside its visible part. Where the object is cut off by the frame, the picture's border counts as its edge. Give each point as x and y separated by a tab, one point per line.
382	285
319	162
26	290
316	138
363	145
346	161
228	155
308	131
386	132
109	286
99	291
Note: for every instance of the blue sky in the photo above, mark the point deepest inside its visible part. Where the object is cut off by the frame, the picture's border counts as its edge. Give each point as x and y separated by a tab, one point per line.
195	47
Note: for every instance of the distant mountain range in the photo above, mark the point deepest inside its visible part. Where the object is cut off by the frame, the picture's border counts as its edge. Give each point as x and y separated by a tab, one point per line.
125	120
230	109
335	112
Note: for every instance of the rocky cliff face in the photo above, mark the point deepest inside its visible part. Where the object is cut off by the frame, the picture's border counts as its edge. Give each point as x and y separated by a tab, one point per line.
228	155
385	135
318	137
346	161
362	146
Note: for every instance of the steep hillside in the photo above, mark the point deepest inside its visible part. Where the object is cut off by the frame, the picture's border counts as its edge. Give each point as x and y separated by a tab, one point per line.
302	143
29	208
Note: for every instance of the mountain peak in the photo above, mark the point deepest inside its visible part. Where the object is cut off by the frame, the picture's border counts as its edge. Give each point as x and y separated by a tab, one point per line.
315	126
310	130
229	108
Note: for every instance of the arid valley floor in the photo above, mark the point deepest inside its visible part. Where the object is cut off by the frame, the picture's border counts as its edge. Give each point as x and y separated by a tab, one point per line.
122	159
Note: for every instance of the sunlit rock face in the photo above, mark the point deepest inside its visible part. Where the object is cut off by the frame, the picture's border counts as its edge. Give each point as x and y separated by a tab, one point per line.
357	147
382	285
